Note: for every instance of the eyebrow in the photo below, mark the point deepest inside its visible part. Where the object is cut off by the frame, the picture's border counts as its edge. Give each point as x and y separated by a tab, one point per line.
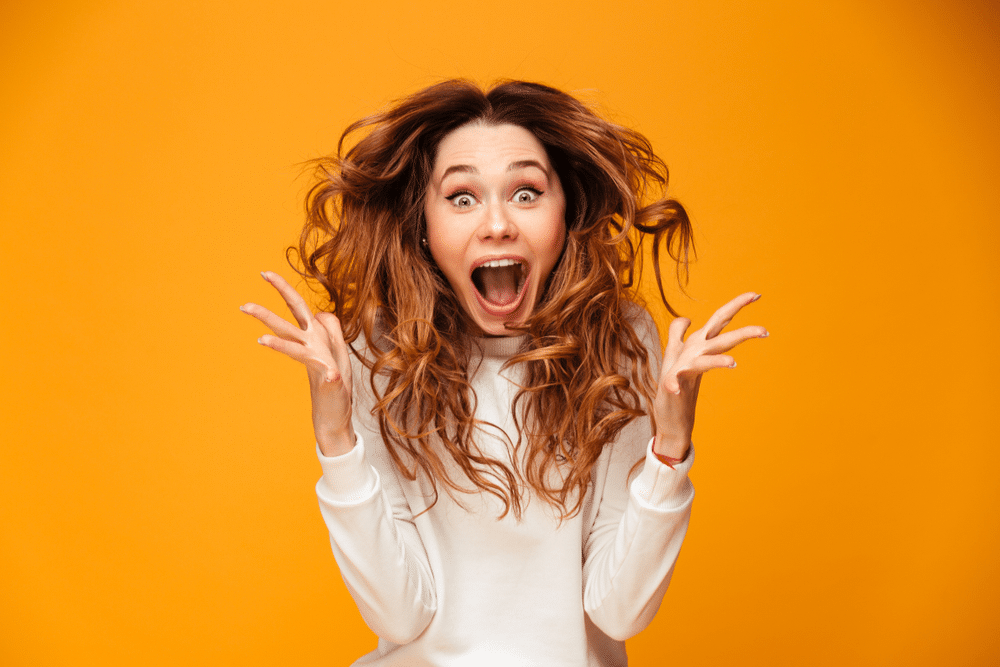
524	164
513	166
459	168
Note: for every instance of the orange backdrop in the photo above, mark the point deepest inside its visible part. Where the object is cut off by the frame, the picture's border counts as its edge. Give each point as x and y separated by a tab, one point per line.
157	466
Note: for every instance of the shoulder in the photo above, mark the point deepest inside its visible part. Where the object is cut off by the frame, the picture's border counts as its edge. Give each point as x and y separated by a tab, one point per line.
643	325
637	314
368	348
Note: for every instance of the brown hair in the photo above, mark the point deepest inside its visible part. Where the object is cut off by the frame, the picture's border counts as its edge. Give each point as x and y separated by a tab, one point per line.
586	372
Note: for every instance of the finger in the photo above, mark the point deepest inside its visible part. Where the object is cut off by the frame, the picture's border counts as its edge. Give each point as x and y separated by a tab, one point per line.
296	351
723	316
331	323
730	339
296	304
706	363
278	325
675	340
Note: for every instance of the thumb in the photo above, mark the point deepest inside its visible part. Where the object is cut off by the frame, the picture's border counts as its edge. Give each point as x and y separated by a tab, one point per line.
669	382
336	344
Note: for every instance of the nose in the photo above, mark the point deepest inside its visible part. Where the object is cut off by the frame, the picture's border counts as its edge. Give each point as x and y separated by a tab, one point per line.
497	226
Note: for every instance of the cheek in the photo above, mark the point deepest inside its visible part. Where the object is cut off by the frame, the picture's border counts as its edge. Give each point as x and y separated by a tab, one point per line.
553	241
559	236
445	247
447	260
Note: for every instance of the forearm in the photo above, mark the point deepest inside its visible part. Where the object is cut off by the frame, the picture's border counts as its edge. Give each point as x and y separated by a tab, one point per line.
629	562
379	553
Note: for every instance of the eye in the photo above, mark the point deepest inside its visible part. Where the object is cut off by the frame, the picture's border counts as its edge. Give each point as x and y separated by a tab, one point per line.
526	195
462	199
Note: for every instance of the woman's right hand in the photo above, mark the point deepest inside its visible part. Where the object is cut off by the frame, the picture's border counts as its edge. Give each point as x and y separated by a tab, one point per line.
318	343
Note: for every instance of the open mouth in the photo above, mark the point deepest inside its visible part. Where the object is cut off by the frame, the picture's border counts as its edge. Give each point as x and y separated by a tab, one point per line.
499	282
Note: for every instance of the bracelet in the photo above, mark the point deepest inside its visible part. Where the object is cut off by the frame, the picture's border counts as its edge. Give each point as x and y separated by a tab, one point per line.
668	461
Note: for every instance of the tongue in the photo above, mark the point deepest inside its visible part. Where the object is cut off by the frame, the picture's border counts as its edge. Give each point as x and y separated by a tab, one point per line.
500	284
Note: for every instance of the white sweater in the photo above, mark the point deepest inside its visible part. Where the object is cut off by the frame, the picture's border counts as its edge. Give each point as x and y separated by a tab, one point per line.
456	586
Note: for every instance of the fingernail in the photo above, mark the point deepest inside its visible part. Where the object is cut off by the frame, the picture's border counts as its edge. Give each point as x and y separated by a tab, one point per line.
732	365
243	309
263	275
764	335
755	297
261	340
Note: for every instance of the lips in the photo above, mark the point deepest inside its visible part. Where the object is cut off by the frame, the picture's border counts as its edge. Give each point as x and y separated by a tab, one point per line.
500	283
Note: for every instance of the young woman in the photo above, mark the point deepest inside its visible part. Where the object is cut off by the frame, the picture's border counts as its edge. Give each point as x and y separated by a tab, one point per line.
504	457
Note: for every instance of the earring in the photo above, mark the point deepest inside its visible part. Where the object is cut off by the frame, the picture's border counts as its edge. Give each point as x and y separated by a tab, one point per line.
423	242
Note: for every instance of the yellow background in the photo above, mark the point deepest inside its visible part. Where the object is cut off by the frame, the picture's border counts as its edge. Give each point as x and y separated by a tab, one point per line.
156	467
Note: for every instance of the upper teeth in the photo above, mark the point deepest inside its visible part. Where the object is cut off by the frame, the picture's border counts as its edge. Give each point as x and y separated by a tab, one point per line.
495	263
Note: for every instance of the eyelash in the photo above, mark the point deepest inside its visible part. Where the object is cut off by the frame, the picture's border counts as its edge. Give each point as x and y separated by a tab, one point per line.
527	188
533	190
460	193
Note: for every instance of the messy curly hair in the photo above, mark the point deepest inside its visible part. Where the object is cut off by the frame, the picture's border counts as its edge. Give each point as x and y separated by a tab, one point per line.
585	369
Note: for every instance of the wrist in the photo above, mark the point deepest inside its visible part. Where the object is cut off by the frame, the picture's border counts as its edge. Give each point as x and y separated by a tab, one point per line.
672	448
335	443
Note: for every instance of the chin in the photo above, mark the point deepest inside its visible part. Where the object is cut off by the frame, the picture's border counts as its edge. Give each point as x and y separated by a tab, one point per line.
496	325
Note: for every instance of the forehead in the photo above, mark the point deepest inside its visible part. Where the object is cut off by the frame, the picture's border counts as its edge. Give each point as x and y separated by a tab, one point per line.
481	146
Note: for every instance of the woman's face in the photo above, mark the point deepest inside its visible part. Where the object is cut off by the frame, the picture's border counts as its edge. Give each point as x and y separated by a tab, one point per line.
496	221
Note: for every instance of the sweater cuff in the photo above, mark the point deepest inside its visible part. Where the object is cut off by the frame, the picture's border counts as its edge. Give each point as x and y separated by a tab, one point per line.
661	487
347	479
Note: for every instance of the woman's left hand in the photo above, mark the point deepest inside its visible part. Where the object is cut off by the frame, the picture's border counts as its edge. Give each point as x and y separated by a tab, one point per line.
684	361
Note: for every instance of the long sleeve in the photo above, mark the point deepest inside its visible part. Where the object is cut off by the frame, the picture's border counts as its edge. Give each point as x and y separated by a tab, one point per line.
640	523
375	542
376	546
630	551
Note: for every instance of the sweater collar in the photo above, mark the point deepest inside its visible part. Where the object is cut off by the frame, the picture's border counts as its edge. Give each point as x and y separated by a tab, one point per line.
501	346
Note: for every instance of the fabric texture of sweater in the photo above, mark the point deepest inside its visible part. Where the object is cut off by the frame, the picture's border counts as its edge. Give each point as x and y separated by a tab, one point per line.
456	586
